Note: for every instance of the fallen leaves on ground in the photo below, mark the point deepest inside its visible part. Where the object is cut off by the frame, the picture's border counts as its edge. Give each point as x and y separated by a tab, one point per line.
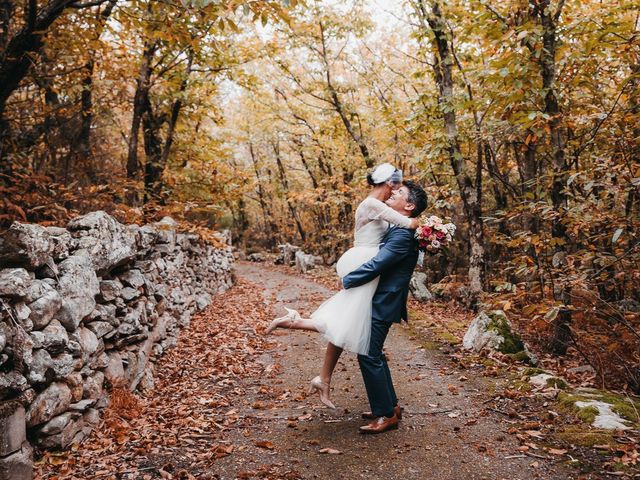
178	430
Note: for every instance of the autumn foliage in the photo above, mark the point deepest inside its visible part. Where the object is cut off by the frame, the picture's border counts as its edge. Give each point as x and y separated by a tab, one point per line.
520	118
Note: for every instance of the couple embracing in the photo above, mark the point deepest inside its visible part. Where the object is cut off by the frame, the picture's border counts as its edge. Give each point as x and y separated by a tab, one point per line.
374	277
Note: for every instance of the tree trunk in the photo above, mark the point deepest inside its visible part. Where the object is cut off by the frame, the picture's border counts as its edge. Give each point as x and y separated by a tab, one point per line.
634	109
269	224
81	146
18	55
548	20
471	194
157	155
285	186
139	102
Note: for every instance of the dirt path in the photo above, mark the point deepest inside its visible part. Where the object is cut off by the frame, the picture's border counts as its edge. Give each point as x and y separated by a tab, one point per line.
445	434
231	403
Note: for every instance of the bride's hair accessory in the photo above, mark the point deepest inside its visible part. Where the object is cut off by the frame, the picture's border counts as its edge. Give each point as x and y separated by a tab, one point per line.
385	173
433	234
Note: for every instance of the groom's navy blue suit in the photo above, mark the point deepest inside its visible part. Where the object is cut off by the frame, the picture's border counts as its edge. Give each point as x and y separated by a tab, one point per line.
394	263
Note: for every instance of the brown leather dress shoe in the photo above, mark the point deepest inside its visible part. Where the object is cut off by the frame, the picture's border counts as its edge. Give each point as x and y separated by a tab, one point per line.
381	425
397	410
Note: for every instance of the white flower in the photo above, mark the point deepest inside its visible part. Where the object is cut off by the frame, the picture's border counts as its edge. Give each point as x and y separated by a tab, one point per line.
435	244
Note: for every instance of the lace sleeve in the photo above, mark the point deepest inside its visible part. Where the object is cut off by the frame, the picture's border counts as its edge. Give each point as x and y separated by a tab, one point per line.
378	210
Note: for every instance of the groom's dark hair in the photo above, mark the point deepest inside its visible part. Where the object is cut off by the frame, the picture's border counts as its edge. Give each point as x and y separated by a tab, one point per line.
417	196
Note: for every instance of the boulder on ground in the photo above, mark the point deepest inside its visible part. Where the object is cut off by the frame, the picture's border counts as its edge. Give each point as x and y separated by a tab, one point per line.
493	330
287	254
418	287
256	257
304	261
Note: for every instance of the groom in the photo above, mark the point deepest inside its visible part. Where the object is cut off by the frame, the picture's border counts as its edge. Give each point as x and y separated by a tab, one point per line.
394	264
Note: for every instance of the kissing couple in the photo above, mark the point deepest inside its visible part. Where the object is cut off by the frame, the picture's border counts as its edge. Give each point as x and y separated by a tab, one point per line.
374	277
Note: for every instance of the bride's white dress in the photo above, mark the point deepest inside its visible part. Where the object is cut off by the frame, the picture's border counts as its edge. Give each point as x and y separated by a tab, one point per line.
345	318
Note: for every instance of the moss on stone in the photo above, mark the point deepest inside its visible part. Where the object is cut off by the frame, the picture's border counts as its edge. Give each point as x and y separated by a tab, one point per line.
626	407
533	371
567	403
511	342
522	386
587	414
521	356
556	382
579	436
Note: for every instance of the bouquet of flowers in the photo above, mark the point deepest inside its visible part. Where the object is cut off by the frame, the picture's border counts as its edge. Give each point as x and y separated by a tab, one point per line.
434	234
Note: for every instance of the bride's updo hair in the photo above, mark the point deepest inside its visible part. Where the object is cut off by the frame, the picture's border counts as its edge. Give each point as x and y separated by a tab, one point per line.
383	173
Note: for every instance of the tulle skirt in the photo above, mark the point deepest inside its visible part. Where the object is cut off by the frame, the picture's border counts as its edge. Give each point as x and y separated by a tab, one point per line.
345	318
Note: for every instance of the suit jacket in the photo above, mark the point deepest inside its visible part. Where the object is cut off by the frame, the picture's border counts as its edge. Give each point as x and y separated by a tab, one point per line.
394	263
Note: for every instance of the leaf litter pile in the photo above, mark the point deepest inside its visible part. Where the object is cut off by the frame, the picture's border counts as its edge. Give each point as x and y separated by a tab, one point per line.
179	430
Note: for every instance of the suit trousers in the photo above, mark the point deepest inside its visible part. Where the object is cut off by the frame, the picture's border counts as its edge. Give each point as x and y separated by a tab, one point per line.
375	372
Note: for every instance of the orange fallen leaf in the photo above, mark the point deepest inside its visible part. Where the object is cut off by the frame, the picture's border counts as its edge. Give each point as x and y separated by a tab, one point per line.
265	444
556	451
330	451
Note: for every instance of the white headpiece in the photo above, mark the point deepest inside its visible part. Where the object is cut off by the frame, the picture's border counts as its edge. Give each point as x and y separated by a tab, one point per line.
386	172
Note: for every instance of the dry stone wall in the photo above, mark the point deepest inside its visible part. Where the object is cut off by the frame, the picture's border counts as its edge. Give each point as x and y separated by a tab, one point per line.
86	308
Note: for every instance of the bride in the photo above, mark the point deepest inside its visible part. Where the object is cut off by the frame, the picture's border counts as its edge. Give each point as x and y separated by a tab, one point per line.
345	318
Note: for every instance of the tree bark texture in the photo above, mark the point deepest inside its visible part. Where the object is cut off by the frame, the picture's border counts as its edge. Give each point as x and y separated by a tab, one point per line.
548	19
471	194
140	100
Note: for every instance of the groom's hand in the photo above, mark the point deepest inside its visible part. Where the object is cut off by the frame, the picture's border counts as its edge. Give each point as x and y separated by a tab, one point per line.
339	284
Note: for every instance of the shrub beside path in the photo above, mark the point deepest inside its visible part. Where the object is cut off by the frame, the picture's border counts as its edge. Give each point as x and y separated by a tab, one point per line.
231	403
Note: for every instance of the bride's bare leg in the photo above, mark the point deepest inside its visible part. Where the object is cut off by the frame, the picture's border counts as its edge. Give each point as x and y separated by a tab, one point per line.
331	357
321	383
301	324
292	320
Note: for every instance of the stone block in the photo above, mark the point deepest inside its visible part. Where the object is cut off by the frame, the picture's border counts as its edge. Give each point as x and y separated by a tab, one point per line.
109	243
52	401
14	282
26	245
13	431
18	465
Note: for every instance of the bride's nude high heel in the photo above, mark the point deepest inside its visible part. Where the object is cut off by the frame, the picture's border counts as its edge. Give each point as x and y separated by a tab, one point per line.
283	322
317	385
